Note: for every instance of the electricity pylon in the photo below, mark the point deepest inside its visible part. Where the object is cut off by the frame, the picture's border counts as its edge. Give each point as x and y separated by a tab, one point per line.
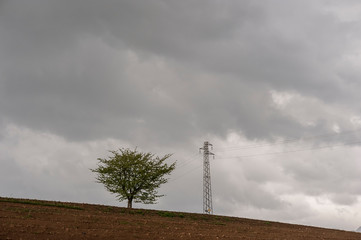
207	190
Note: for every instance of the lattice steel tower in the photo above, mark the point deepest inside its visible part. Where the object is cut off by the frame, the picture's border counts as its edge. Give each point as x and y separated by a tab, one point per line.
207	190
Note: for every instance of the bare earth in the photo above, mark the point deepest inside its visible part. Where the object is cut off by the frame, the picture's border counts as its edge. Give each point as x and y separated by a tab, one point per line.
32	219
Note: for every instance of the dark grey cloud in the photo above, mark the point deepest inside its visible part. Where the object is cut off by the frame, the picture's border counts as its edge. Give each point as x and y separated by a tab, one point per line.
64	63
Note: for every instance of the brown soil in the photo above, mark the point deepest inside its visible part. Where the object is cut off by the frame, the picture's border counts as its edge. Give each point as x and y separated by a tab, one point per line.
32	219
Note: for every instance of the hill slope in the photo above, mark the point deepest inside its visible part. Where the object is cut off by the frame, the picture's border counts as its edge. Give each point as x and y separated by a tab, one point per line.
34	219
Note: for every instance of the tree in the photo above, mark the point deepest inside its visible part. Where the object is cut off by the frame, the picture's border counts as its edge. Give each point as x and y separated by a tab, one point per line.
133	175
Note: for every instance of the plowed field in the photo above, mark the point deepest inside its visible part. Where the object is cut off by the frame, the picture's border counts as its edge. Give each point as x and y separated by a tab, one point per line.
33	219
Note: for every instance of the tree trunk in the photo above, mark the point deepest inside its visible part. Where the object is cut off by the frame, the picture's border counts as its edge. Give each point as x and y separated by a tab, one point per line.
130	203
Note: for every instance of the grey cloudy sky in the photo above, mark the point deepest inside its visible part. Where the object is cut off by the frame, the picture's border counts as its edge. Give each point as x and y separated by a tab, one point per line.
78	78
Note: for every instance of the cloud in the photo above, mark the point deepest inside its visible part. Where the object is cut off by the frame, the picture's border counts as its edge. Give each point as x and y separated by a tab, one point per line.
271	181
78	78
43	165
89	69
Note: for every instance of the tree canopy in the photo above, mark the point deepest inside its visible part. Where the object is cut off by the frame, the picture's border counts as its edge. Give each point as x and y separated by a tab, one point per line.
133	176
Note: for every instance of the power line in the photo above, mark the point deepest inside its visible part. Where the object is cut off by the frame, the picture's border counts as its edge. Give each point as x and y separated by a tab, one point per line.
291	151
189	160
287	141
186	173
259	155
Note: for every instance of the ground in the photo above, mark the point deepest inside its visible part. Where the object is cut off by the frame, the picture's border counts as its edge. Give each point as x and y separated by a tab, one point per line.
33	219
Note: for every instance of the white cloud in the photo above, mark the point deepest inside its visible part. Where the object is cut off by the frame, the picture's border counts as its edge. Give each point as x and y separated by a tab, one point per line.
291	181
345	12
310	111
45	166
